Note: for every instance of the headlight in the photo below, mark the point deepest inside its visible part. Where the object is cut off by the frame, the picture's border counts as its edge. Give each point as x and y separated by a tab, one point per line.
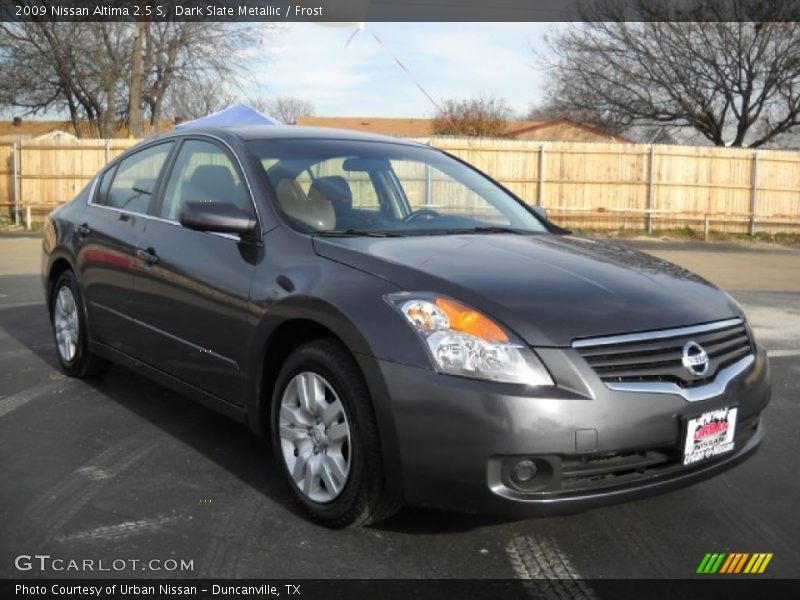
462	341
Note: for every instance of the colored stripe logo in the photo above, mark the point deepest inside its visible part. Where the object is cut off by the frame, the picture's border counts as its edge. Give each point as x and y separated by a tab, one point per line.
734	563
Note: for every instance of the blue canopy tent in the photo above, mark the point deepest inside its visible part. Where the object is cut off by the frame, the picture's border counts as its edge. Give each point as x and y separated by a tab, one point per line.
238	114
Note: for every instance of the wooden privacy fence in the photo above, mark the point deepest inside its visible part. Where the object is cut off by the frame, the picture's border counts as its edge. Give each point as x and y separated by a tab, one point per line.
583	185
38	175
637	186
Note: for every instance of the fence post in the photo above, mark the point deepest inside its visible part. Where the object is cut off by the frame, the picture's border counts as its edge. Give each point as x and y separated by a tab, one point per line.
108	151
753	193
540	188
15	177
427	185
705	228
650	187
28	217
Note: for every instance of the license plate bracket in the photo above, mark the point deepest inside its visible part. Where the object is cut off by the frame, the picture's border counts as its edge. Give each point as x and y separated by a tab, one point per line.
709	434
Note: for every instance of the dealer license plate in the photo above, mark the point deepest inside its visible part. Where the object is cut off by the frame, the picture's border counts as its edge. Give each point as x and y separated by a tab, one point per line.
709	435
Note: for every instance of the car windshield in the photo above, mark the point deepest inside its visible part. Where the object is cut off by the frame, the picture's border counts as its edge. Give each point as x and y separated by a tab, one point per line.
345	187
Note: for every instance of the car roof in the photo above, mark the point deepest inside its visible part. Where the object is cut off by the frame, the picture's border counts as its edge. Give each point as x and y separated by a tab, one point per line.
287	132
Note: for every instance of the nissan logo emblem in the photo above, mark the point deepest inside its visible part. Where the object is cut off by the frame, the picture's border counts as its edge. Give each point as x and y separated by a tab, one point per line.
695	359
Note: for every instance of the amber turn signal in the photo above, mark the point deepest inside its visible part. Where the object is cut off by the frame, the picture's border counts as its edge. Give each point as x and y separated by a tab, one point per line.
466	320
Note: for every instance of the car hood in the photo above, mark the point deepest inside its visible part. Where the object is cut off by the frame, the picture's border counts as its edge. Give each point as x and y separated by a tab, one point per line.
549	289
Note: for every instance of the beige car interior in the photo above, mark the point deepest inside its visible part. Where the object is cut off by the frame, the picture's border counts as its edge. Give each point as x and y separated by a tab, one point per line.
315	210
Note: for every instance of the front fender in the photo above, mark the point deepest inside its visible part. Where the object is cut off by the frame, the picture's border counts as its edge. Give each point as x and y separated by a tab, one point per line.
329	316
293	283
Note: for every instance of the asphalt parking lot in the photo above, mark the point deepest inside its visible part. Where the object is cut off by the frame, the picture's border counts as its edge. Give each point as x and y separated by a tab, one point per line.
124	469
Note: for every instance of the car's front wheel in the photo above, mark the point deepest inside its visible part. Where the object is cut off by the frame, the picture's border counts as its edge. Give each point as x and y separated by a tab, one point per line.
69	329
325	437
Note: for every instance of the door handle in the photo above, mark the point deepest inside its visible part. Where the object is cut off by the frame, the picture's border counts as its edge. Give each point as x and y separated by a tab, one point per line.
83	230
149	256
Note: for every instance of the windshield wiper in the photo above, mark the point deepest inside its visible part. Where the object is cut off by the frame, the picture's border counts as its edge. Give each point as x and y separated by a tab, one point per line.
357	233
490	229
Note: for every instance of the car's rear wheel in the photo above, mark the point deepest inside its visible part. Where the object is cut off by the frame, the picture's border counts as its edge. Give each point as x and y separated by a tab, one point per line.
325	437
69	330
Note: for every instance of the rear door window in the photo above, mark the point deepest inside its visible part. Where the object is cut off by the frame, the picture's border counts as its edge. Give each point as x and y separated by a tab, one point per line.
131	185
105	185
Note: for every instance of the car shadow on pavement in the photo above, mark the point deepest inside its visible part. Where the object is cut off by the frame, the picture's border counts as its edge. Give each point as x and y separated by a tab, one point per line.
29	325
227	443
428	521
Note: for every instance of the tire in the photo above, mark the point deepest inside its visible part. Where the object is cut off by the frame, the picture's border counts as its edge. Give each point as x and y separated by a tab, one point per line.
359	498
74	356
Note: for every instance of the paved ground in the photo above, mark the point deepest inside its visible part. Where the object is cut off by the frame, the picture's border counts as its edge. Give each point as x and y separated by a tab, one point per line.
123	469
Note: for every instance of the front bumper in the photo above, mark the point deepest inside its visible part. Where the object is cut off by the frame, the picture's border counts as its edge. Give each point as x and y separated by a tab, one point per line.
454	436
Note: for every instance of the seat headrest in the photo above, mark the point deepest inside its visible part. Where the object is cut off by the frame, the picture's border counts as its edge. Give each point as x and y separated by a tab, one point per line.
334	188
215	183
316	212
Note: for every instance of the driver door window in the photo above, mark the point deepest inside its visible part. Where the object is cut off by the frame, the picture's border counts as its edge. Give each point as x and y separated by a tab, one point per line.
203	172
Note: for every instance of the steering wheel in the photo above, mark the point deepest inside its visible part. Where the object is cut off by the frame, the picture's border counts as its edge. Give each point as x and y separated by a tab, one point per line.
422	212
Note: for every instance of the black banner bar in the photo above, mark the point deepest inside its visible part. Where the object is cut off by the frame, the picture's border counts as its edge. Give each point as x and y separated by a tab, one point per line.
706	587
396	10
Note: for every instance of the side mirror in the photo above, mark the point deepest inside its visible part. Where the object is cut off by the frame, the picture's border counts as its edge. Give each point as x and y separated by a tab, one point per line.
540	211
217	217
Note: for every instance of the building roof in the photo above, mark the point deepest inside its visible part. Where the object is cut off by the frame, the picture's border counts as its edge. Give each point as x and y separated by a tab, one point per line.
565	130
560	130
557	130
298	132
34	128
401	127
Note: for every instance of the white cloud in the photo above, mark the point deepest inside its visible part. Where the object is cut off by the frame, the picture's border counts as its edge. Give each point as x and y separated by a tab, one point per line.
362	79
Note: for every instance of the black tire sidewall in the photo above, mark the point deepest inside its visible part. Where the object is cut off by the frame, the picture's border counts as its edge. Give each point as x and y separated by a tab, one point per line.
332	362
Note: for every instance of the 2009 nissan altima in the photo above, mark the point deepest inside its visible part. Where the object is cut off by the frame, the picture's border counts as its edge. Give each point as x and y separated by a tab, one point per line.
403	328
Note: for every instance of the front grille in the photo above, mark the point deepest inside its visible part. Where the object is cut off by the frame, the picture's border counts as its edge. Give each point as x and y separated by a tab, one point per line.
591	472
657	356
587	473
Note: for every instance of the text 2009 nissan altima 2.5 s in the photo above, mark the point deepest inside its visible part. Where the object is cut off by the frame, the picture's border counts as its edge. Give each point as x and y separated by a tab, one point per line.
403	328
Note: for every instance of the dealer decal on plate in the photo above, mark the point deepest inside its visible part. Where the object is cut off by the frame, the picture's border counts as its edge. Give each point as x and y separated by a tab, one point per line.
710	434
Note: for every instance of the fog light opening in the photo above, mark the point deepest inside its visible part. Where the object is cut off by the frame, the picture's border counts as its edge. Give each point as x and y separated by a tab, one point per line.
528	474
523	471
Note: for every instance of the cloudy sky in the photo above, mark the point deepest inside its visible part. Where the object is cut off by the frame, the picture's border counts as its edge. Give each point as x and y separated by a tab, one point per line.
448	59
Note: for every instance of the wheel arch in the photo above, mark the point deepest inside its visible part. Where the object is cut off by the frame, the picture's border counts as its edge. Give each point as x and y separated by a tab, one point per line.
285	326
59	263
296	321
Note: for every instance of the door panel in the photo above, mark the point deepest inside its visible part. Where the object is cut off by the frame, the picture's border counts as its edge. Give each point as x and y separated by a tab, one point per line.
106	261
191	314
192	288
109	233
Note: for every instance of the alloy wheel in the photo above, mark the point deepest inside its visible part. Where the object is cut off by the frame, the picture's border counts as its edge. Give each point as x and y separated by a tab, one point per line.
315	437
67	325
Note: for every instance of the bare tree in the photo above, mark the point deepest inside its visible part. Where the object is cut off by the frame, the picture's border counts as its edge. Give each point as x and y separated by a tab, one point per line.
195	54
729	69
192	99
137	82
286	109
111	73
73	67
479	117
